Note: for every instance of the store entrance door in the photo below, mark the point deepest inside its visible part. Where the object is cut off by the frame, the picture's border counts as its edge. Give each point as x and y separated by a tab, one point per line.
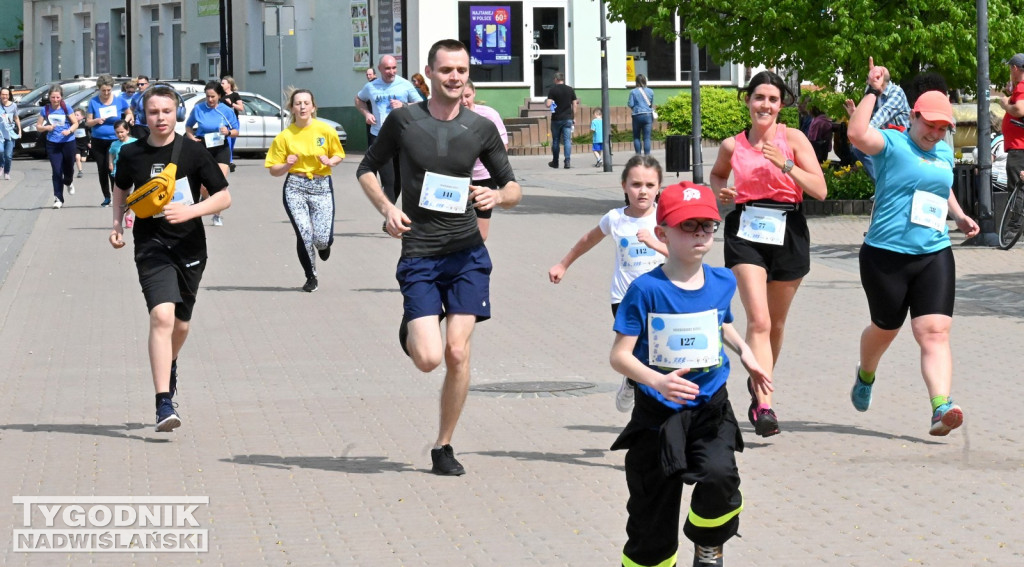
548	30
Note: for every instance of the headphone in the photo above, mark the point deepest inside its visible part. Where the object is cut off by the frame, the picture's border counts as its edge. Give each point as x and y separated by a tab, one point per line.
177	96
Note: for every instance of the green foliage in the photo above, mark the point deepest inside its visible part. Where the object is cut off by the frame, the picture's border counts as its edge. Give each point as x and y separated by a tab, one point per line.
829	102
824	41
722	114
849	182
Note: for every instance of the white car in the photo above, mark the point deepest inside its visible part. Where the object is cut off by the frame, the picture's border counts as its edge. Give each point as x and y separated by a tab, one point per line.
259	124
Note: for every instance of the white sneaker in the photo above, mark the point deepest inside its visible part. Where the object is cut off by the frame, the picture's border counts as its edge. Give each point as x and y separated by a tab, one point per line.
217	220
57	204
624	397
7	176
71	189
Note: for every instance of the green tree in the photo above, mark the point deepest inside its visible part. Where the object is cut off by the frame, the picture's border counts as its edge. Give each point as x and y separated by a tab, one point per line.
830	40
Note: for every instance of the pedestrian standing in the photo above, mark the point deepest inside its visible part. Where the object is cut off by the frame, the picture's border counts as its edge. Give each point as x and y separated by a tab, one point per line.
670	333
641	102
444	269
60	126
170	247
767	244
563	104
304	153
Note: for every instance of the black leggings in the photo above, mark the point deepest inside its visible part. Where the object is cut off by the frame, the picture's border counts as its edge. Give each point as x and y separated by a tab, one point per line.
101	152
924	284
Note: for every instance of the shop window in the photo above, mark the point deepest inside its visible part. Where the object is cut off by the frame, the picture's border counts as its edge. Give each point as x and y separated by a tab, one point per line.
512	72
667	61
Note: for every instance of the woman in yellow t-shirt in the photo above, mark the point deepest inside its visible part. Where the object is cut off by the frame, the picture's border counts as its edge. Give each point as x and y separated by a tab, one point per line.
306	151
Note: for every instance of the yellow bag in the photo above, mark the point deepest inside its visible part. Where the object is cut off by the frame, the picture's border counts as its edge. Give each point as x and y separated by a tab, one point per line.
154	194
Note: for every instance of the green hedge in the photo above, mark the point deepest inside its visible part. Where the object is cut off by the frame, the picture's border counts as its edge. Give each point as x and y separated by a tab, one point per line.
722	114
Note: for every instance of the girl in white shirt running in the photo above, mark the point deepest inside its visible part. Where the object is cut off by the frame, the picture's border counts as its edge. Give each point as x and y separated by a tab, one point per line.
637	251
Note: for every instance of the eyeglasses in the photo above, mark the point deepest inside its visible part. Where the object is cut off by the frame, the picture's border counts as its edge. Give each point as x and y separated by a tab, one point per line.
142	85
709	227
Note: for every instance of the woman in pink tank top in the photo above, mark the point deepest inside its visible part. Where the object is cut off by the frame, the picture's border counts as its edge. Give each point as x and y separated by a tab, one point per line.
767	244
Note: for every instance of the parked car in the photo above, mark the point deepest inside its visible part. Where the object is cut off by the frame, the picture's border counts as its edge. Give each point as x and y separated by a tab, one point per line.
32	145
259	124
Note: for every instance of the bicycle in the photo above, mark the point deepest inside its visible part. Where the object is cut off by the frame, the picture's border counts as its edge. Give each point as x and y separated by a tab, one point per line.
1011	224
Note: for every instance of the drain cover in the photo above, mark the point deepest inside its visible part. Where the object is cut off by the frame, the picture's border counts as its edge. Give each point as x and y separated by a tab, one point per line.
530	387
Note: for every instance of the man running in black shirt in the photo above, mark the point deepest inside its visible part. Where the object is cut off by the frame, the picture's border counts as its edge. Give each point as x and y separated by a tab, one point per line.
444	270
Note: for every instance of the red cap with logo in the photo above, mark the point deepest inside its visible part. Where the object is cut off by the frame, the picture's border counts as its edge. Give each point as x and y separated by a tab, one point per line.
685	201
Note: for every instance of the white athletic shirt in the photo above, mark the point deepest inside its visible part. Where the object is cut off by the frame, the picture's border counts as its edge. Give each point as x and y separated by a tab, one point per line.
632	257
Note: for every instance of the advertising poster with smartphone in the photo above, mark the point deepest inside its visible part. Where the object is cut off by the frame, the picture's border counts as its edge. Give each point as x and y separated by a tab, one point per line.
490	35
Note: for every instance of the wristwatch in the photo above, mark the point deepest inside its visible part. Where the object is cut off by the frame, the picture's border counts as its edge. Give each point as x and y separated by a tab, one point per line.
872	90
788	166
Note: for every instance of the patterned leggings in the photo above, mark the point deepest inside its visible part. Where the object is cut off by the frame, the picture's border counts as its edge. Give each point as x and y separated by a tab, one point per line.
310	207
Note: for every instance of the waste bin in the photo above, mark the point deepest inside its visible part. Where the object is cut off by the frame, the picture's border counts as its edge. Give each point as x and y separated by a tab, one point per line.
677	153
965	183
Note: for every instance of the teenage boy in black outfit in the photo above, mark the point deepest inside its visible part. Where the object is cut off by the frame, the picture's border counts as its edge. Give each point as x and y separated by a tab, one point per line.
170	248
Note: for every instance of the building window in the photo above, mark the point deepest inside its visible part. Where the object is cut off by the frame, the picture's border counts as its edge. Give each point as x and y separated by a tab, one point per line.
665	61
51	25
513	71
255	38
212	51
154	42
176	33
303	36
85	22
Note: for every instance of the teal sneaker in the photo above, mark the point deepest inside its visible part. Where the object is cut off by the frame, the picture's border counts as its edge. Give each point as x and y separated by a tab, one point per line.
946	418
860	395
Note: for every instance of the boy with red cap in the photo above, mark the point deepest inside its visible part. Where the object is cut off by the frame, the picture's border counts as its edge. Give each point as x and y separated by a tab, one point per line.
669	334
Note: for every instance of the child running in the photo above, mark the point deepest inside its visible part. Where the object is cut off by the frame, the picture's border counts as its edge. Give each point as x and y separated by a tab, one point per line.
122	129
669	333
637	251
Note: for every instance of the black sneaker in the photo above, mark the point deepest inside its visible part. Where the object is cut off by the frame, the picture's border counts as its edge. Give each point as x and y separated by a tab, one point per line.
324	253
231	167
553	164
765	424
445	463
567	164
174	378
166	418
752	410
707	556
310	285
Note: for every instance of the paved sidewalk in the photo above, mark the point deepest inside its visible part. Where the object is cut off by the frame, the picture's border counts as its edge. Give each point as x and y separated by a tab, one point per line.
309	430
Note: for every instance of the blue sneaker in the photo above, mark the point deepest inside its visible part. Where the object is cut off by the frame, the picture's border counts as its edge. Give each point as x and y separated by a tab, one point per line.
860	395
946	418
166	418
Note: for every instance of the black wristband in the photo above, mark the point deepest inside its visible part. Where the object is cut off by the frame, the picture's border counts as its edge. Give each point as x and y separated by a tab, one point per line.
872	90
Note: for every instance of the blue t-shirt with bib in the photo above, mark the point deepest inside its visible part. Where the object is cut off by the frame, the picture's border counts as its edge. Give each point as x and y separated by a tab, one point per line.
110	112
654	293
59	119
901	169
211	119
